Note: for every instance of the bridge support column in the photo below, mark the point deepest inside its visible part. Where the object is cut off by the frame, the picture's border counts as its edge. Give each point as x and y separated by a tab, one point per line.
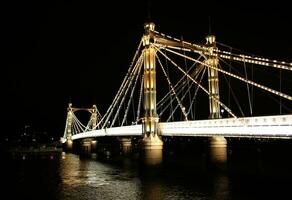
152	148
213	79
126	145
93	146
68	129
94	117
218	144
86	147
69	145
151	144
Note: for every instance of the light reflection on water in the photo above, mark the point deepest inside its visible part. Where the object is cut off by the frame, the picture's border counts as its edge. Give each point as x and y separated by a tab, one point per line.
89	179
190	177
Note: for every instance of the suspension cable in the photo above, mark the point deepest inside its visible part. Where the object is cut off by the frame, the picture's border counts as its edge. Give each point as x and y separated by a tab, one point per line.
66	126
197	89
109	110
196	74
280	85
140	99
74	128
77	120
127	89
254	60
206	91
228	55
177	87
233	95
168	37
132	92
184	95
169	89
119	94
188	81
173	91
237	77
247	87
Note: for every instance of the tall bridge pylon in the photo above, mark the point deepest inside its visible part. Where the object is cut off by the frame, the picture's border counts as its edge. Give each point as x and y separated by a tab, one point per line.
151	143
213	79
213	86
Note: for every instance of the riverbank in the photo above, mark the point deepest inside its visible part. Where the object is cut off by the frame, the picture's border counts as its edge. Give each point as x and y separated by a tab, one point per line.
24	153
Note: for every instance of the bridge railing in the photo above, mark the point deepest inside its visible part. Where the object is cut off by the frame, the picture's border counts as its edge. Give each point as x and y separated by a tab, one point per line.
266	126
132	130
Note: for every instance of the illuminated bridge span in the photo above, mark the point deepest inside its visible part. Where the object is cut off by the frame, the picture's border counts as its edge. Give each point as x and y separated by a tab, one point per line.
258	127
170	81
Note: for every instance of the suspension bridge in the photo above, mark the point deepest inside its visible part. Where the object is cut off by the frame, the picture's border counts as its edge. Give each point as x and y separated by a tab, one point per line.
170	81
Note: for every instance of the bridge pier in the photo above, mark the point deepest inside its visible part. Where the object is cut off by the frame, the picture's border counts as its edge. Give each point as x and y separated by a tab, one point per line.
126	145
69	145
217	142
93	146
152	150
86	147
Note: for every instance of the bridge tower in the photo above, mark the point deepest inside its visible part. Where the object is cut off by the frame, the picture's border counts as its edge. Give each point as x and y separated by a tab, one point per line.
217	144
152	144
68	130
89	146
213	81
94	117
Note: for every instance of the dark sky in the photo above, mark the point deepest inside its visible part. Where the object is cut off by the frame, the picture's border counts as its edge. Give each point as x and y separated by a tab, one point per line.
79	51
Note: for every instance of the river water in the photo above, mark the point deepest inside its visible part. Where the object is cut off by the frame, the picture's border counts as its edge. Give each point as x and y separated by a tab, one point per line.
249	173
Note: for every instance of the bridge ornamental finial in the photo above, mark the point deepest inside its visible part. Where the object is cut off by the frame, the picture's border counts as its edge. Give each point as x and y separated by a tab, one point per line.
149	26
69	107
148	38
94	108
211	39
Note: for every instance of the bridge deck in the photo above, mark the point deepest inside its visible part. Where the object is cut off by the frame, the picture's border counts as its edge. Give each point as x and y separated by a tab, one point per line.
278	126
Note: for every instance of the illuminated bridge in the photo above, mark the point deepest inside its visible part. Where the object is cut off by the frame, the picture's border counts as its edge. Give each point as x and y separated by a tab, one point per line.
258	127
169	84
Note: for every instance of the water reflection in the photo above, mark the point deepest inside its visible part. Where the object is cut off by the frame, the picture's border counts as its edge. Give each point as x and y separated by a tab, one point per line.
249	175
218	158
221	186
151	183
218	149
152	190
89	179
152	157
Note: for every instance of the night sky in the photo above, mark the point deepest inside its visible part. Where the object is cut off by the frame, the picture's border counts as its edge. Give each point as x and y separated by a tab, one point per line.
79	51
